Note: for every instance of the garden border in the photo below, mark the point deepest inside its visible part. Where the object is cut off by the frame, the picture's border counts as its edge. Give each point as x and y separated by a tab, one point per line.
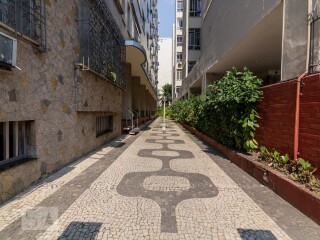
296	194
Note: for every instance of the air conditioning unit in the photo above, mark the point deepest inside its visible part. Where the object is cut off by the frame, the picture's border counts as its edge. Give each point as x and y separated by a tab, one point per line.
8	50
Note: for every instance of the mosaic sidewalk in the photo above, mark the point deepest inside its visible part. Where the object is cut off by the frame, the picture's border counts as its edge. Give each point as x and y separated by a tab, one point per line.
157	185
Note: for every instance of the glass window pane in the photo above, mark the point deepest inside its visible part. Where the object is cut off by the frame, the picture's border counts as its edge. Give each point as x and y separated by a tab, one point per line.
11	140
21	138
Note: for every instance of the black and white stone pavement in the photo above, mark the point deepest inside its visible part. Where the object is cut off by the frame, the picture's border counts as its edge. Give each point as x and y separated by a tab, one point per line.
156	185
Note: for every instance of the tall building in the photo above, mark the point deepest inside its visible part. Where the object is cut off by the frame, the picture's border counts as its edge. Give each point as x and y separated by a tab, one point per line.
177	55
269	37
278	40
187	46
69	73
165	62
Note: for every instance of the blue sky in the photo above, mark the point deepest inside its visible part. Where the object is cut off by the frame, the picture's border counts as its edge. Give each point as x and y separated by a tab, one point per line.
166	10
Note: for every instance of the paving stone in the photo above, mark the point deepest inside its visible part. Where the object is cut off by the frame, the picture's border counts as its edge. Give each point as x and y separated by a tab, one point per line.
162	186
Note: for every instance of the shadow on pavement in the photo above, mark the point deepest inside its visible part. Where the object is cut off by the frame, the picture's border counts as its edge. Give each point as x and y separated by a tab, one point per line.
81	230
246	234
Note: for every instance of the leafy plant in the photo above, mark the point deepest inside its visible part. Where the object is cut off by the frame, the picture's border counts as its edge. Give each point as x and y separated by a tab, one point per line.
305	164
301	171
227	112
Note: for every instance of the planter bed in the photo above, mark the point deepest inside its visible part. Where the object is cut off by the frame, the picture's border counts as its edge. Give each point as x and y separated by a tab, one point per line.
294	193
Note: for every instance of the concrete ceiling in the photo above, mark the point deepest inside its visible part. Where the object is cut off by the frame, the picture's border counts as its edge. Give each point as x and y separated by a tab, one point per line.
260	50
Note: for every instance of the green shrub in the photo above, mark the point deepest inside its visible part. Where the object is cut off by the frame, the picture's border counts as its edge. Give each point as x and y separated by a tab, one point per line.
300	171
228	111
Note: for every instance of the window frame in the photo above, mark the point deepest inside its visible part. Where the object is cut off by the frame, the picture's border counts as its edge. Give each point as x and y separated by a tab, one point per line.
194	39
195	9
178	42
180	6
104	125
7	137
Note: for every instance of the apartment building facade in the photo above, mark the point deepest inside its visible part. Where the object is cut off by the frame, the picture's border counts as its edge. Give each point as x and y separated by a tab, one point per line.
177	43
278	41
165	62
67	78
187	48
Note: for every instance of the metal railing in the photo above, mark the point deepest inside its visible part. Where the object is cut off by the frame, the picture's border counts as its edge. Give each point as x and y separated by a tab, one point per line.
27	18
101	42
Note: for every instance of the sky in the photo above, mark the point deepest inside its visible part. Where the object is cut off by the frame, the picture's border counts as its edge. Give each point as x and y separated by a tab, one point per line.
166	10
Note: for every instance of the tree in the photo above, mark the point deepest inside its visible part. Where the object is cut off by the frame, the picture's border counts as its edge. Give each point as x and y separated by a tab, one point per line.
166	94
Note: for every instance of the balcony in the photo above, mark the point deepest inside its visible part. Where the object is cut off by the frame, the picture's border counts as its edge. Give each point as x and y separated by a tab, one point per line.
102	44
136	56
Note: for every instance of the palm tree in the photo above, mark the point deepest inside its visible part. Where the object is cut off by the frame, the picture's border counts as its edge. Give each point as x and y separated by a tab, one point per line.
166	94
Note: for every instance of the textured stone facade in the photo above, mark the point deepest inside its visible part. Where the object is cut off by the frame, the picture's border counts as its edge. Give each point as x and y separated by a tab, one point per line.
60	100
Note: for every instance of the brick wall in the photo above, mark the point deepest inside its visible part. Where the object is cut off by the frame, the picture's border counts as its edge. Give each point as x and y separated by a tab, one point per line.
277	112
309	144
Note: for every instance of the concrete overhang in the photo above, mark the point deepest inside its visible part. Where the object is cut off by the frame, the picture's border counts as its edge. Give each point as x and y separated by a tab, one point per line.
260	50
136	56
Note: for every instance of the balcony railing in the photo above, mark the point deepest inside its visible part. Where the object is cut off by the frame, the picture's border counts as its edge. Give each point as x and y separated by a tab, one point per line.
102	44
25	17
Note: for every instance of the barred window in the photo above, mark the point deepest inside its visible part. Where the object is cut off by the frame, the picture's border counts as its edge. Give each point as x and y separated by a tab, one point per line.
179	56
179	74
179	40
180	6
195	8
194	39
27	17
102	46
104	124
12	140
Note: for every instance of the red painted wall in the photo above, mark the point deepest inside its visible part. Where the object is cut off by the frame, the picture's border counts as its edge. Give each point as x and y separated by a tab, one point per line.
277	112
309	144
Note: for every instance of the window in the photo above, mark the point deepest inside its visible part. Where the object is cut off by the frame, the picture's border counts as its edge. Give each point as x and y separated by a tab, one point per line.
180	6
179	56
179	74
194	39
179	22
177	90
123	3
26	17
129	22
12	140
191	65
179	40
195	8
104	124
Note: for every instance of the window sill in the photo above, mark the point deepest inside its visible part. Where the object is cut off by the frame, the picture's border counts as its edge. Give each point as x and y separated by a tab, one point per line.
12	31
6	164
104	133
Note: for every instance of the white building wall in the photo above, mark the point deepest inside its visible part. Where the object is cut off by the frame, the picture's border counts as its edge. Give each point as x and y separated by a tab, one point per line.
165	62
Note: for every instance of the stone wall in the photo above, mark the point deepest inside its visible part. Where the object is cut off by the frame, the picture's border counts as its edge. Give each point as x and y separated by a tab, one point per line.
60	101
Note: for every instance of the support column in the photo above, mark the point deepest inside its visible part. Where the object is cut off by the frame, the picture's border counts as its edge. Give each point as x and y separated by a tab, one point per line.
143	100
136	94
127	96
295	35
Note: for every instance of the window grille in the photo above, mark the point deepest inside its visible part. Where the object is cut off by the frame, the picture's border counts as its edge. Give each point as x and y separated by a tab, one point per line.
26	17
104	124
101	42
195	8
194	39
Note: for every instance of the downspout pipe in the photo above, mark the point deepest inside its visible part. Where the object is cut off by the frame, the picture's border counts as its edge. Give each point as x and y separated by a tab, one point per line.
298	93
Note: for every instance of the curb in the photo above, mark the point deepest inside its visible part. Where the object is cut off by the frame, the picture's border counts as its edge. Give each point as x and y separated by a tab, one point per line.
294	193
